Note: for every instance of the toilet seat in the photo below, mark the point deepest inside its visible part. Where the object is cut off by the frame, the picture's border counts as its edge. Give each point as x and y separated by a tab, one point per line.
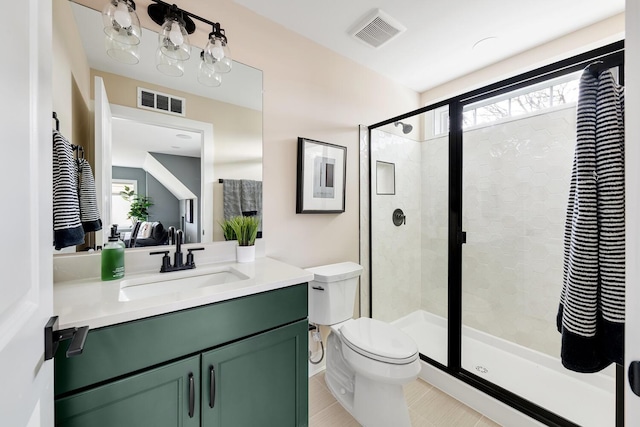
379	341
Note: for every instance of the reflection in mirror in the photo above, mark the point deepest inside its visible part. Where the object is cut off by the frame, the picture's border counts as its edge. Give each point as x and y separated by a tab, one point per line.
176	159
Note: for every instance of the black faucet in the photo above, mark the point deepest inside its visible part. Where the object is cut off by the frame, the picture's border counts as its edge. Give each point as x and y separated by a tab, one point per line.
177	256
171	232
178	263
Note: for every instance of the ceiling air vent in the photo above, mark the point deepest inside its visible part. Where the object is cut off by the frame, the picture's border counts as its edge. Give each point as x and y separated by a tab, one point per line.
377	29
162	102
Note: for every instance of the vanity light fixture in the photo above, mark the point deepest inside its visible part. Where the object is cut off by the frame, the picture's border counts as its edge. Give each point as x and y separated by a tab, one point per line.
121	22
122	52
123	31
168	65
207	75
173	39
216	53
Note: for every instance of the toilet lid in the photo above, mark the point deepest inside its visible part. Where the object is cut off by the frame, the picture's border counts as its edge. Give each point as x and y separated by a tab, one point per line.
379	340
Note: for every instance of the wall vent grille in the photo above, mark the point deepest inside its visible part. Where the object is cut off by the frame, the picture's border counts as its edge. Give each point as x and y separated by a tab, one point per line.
377	29
162	102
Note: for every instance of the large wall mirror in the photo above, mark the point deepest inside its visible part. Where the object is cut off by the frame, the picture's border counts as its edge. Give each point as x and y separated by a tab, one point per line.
179	160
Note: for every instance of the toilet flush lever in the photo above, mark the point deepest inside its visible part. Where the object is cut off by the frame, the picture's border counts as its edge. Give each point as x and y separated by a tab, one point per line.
318	288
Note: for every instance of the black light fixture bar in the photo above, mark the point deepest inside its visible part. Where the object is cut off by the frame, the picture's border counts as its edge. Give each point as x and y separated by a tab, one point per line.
164	6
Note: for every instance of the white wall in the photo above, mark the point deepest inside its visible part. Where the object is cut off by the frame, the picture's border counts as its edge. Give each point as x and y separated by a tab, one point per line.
599	34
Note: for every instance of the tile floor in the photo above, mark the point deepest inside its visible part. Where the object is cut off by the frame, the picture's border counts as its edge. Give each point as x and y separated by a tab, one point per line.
428	407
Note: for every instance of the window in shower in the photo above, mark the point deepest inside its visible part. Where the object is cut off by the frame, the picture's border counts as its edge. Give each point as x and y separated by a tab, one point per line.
517	160
554	93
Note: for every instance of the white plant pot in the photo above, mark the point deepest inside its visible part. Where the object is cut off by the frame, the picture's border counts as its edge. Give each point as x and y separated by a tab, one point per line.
246	253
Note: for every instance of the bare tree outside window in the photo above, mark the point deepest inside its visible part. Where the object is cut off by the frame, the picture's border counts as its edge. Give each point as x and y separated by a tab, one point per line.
522	103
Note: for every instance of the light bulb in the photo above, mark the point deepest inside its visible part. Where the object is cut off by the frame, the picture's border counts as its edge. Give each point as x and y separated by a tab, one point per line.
217	50
121	15
175	35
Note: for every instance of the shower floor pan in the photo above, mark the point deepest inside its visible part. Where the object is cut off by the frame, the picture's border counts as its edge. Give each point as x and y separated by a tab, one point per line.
585	399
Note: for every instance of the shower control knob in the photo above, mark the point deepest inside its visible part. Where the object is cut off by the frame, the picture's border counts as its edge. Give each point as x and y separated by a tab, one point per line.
398	218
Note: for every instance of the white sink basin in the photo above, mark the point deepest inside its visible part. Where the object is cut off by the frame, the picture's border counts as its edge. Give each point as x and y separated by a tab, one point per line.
176	282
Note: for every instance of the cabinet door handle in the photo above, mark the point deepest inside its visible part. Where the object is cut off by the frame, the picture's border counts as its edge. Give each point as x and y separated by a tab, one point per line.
192	395
212	386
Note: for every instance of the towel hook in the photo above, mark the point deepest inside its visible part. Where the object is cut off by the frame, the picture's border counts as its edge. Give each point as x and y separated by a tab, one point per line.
55	117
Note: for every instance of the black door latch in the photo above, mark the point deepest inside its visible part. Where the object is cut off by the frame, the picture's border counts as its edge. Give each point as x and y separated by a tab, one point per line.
53	337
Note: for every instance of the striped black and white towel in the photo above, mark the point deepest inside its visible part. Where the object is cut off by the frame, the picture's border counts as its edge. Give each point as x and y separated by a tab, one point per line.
591	314
67	228
89	213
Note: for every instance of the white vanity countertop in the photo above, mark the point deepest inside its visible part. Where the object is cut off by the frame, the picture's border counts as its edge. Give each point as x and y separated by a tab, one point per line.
94	303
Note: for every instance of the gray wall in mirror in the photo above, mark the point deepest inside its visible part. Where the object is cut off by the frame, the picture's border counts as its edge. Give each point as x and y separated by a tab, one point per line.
234	110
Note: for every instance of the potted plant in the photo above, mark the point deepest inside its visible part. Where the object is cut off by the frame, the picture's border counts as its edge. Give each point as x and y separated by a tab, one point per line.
138	211
227	230
246	230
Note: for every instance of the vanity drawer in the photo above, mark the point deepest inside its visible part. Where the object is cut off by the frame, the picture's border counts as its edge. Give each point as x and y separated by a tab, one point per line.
121	349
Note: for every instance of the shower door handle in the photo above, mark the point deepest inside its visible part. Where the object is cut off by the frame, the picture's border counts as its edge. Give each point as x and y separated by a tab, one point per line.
462	237
634	376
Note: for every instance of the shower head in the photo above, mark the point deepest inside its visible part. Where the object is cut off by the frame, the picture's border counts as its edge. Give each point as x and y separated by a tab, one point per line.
405	128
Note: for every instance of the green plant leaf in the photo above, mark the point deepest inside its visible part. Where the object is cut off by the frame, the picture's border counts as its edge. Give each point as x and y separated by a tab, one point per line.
245	229
139	204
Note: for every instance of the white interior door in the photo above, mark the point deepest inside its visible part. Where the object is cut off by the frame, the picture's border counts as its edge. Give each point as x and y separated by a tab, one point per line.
632	157
103	132
26	301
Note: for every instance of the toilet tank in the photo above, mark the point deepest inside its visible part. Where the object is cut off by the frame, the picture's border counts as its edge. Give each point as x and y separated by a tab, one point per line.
332	293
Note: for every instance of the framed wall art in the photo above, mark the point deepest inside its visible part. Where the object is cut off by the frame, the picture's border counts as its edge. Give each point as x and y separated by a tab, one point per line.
322	169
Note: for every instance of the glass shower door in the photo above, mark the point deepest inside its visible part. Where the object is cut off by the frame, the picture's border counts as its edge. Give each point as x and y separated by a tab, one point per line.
409	176
517	157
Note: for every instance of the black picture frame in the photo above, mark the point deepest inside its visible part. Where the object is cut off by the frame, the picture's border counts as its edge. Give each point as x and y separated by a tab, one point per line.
321	177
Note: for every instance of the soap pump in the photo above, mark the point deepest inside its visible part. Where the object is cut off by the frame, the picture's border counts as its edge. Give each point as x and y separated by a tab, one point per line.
112	258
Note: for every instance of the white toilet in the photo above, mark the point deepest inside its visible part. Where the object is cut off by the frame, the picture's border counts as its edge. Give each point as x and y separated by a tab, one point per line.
368	360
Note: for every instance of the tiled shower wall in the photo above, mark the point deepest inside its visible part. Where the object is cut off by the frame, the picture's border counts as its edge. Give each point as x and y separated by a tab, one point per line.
396	262
435	224
515	187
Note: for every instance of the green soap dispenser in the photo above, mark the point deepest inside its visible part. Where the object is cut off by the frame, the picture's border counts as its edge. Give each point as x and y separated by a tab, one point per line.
112	258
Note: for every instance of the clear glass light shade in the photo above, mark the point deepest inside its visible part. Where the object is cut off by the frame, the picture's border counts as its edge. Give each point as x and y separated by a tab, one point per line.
122	52
173	40
121	22
217	55
169	66
208	76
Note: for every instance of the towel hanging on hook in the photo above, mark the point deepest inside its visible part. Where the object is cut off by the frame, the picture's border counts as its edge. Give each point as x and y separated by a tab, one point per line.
596	67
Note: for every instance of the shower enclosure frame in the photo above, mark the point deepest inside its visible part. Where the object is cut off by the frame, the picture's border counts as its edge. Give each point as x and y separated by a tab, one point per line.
611	55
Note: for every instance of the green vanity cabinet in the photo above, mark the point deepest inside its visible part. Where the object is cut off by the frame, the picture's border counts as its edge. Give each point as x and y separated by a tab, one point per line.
158	398
160	371
260	381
